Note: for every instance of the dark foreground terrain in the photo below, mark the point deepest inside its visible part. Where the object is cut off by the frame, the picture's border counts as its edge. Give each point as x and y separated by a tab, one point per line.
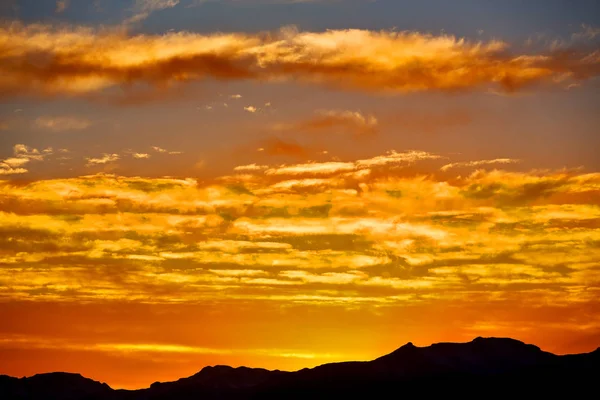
485	367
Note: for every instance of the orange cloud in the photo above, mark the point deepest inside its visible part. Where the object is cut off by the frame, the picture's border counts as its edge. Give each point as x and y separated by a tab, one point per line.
419	121
278	147
353	122
39	59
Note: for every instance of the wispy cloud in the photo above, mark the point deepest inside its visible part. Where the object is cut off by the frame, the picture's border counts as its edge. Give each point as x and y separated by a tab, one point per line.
165	348
165	151
587	32
358	168
143	8
85	61
279	147
478	163
60	124
346	121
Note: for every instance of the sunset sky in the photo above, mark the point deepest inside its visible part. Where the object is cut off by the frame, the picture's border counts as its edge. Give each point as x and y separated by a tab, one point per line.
285	183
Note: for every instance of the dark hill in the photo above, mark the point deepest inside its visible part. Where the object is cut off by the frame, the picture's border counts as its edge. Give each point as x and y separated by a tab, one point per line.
53	386
485	367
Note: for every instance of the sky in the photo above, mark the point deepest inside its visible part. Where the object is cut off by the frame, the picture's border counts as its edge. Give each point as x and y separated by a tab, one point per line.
282	184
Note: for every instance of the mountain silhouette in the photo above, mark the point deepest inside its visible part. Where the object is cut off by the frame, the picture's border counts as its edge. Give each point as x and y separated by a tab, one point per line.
483	367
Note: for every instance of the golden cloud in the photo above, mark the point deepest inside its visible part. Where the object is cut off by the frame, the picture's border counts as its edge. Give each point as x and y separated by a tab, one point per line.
359	169
22	156
314	233
141	155
41	59
105	159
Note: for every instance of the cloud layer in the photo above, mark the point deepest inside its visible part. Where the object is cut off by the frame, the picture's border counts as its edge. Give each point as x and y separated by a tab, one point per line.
361	232
39	59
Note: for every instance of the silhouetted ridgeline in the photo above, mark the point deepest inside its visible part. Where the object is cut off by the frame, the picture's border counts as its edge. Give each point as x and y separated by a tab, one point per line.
481	368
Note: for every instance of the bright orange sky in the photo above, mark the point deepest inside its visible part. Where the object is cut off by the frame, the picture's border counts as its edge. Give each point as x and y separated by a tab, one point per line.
180	192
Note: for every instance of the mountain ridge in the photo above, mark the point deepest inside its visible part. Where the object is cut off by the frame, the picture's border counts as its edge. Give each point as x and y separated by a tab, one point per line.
503	363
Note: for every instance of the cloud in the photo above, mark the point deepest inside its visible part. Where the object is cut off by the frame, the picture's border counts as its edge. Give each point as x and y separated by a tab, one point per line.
6	169
61	6
22	156
82	61
418	121
164	151
105	159
318	243
250	167
587	32
345	121
143	8
478	163
349	173
360	124
251	109
200	164
278	147
314	233
23	151
585	37
323	168
60	124
141	155
15	162
393	157
137	348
